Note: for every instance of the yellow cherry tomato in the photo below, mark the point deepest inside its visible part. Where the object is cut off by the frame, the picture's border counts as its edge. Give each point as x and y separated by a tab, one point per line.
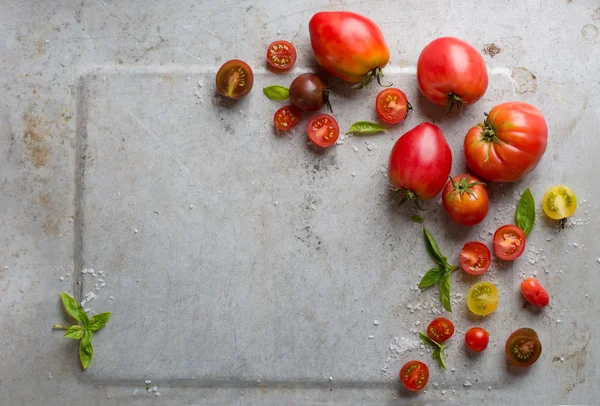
559	202
482	298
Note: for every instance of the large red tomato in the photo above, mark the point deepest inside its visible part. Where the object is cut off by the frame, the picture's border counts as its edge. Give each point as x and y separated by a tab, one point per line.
420	162
466	200
348	46
452	72
508	144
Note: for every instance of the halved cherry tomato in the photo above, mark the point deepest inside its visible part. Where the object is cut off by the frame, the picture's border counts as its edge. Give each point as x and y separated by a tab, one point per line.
509	242
559	202
523	347
475	258
323	130
440	329
414	375
476	339
235	79
286	117
281	54
482	298
392	105
534	292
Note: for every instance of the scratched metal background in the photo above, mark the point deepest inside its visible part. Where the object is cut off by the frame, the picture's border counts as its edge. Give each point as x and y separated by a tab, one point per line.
260	264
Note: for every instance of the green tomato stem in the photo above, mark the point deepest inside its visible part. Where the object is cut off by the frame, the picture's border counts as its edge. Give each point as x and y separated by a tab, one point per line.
59	327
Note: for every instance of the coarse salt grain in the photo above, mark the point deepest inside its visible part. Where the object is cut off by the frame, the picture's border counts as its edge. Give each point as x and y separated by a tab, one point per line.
376	322
371	337
62	278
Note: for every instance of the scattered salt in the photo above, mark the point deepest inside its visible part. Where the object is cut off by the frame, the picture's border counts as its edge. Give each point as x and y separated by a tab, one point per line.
135	230
562	359
376	322
135	392
276	203
355	149
444	392
489	388
111	297
147	381
191	206
331	378
417	322
467	384
155	389
353	173
371	337
157	393
558	320
62	278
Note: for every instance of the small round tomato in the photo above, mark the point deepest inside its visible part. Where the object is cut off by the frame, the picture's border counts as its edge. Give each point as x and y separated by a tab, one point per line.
414	375
465	199
475	258
323	130
559	202
392	105
235	79
309	92
476	339
482	298
286	117
509	242
523	347
281	54
440	329
534	292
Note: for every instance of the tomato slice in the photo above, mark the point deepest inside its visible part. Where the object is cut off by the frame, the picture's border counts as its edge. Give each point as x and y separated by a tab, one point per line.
286	117
482	298
440	329
323	130
414	375
476	339
281	54
559	202
235	79
392	105
509	242
475	258
523	347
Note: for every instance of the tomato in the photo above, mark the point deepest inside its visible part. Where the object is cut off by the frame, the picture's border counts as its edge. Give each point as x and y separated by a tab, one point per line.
392	105
420	162
476	339
508	144
440	329
523	347
309	92
348	46
534	292
509	242
323	130
482	298
281	54
466	200
475	258
286	118
414	375
559	202
235	79
452	72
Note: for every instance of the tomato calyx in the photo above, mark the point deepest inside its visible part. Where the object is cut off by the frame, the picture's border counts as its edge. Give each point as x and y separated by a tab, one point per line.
455	100
409	195
464	186
376	73
325	96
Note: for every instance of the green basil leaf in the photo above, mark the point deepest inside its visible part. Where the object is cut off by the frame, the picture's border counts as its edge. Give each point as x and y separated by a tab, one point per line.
445	291
98	321
432	248
526	212
417	219
276	92
431	277
436	354
86	350
428	341
439	356
75	332
365	127
73	308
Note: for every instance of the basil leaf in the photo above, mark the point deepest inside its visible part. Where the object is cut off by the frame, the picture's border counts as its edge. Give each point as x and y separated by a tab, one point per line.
365	127
526	212
445	291
86	350
75	332
431	277
417	219
277	92
428	341
98	321
439	356
432	248
73	308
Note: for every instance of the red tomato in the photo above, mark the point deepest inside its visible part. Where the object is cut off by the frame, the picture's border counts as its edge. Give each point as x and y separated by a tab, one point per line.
509	242
466	200
477	339
420	162
348	45
392	105
534	292
323	130
235	79
281	54
414	375
440	329
286	117
475	258
508	144
452	72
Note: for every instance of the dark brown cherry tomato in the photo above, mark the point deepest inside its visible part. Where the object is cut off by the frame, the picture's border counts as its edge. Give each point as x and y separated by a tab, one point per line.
309	92
235	79
523	347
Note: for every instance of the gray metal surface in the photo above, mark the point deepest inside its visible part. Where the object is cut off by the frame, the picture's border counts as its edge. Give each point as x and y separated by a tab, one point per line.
246	268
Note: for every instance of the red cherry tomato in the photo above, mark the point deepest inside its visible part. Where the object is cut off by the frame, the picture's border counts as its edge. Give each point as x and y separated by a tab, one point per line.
414	375
440	329
477	339
420	162
323	130
466	200
392	105
451	72
348	45
534	292
281	54
235	79
475	258
509	242
286	117
508	144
